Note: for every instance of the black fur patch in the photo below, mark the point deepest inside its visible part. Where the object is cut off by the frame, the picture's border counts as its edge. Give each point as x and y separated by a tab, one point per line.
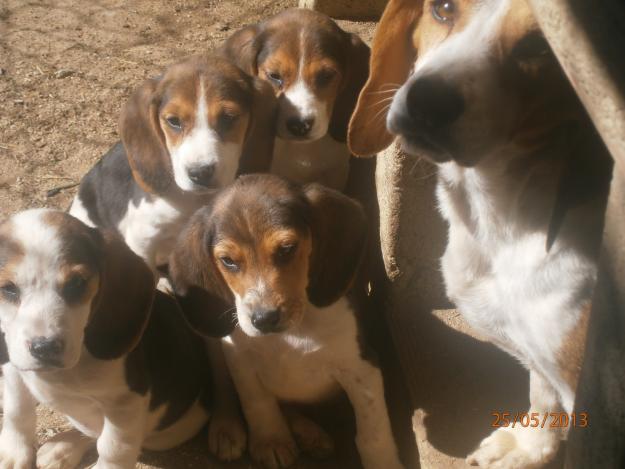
108	187
170	361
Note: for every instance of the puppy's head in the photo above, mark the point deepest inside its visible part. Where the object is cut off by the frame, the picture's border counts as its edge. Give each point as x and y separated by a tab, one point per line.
315	68
64	285
467	79
270	248
197	125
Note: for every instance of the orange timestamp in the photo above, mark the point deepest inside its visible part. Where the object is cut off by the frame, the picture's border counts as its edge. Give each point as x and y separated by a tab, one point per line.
539	419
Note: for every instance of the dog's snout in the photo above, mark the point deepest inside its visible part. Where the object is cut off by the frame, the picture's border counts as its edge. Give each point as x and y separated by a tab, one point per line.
299	127
202	175
46	350
266	320
434	104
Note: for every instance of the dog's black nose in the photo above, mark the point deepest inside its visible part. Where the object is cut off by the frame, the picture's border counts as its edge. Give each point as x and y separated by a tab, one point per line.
434	104
202	175
299	127
266	321
46	350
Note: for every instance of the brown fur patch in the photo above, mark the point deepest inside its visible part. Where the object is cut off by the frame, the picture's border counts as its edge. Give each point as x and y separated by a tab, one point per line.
571	354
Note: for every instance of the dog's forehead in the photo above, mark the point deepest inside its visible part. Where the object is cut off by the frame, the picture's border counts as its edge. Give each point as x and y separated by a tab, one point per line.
217	77
255	208
51	239
301	36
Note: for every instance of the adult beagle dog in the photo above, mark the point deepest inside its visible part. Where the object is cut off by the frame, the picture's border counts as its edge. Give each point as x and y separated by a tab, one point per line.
184	134
85	332
316	70
522	182
277	261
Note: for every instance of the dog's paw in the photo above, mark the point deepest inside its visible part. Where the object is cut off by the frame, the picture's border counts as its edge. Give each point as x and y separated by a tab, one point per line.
274	452
516	448
15	454
63	451
311	438
227	437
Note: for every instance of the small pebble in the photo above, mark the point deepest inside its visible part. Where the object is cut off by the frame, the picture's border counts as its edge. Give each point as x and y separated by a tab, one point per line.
63	73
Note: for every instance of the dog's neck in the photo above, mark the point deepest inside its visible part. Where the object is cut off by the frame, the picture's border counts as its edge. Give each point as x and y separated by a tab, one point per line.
506	194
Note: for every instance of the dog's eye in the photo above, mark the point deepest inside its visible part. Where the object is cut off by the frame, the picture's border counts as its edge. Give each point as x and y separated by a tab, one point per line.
284	253
275	78
226	121
10	292
74	287
174	123
229	264
324	77
443	11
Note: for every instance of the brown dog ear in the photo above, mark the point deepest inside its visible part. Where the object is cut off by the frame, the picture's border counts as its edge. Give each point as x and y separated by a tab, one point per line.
121	309
357	71
144	140
258	147
243	47
339	237
205	300
392	56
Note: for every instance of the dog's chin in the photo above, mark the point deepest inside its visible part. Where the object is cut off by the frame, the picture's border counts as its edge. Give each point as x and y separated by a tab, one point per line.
436	152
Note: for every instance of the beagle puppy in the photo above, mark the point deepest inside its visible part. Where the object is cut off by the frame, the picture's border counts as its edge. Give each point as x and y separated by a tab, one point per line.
316	70
85	332
285	258
185	134
522	182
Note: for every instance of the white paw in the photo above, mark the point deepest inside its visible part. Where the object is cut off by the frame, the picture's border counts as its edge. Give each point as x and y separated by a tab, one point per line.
311	438
516	448
63	451
15	453
274	452
227	437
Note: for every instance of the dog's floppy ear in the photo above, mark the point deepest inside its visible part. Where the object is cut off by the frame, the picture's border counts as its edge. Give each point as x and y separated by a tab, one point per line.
144	140
243	47
356	74
4	351
258	147
204	297
339	237
121	308
392	56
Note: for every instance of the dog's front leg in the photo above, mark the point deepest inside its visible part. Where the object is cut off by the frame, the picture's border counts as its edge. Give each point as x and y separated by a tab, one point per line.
270	440
524	447
374	438
122	435
18	437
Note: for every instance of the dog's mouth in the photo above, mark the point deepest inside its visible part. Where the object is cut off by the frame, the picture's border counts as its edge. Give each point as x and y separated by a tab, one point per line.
421	144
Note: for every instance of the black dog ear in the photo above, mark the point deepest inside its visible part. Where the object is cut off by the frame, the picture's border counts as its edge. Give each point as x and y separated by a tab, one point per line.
258	147
339	237
205	299
243	48
356	74
144	140
122	306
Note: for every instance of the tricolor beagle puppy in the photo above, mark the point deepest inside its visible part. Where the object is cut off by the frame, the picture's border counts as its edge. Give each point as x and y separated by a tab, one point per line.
85	332
285	258
316	70
522	183
185	134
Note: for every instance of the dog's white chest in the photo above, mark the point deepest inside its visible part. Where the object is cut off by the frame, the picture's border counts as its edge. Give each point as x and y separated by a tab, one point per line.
325	161
302	365
505	282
